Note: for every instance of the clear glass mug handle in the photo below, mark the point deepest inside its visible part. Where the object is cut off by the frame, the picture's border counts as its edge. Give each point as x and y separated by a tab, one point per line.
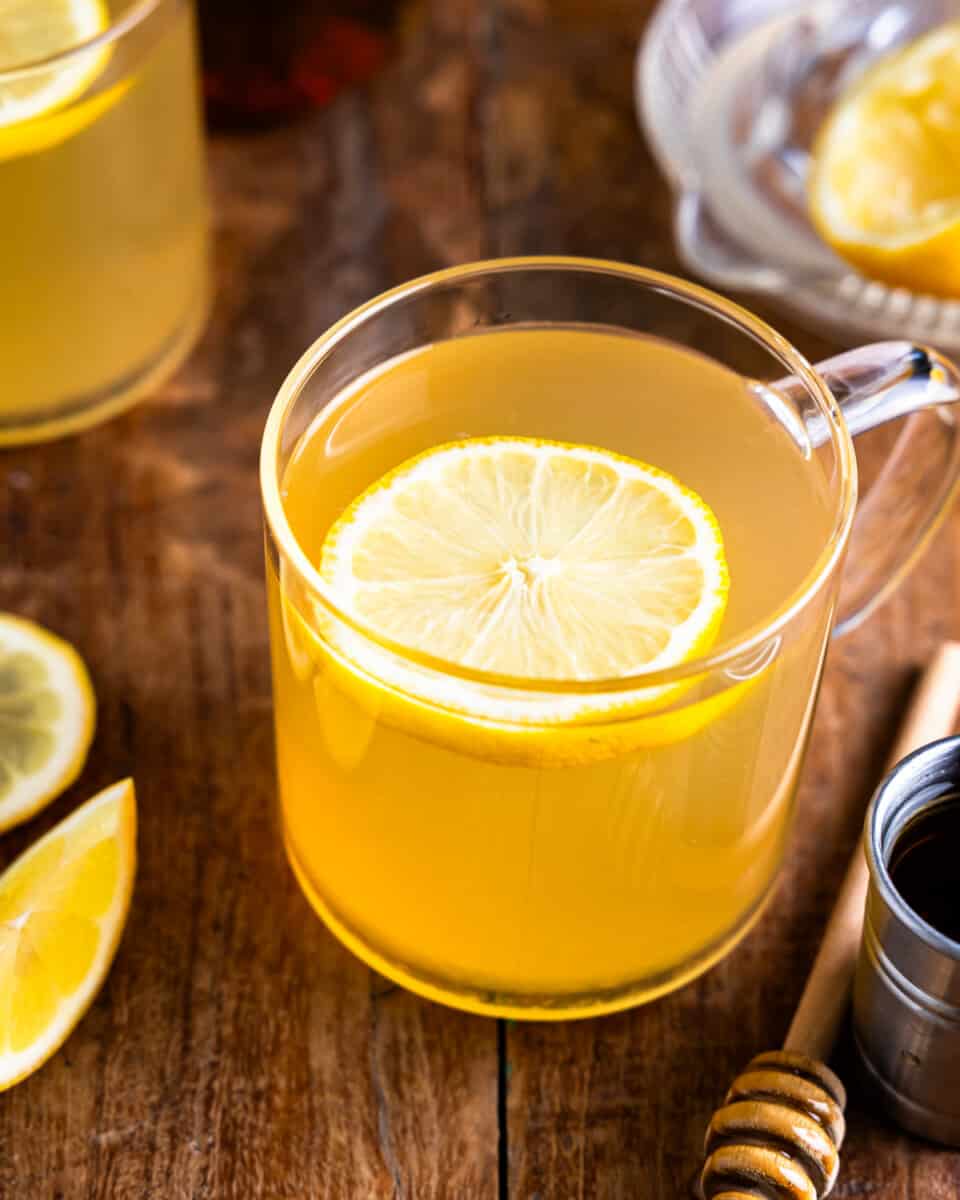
901	511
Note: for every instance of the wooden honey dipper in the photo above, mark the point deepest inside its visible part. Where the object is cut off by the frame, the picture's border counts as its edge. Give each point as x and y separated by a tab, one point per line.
779	1132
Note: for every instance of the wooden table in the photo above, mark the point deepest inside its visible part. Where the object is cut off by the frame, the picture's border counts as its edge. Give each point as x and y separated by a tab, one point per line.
237	1050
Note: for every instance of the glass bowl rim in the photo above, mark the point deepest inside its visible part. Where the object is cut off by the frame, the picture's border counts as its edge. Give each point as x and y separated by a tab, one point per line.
749	642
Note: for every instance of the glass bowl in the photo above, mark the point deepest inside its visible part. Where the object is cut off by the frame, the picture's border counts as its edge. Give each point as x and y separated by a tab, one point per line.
730	94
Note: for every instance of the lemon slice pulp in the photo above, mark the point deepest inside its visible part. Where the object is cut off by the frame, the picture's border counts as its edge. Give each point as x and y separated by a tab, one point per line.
525	558
885	178
36	85
47	717
534	559
63	904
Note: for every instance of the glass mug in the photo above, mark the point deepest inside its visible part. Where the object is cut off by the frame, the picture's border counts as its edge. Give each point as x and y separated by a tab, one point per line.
476	837
103	267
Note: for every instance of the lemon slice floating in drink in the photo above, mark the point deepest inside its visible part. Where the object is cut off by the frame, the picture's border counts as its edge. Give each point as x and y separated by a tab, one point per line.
47	717
63	904
885	181
41	72
534	559
549	562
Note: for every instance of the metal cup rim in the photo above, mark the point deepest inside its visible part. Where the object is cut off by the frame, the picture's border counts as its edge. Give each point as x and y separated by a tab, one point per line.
912	785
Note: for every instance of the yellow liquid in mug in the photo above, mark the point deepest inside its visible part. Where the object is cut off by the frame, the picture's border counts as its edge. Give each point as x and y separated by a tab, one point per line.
103	232
551	890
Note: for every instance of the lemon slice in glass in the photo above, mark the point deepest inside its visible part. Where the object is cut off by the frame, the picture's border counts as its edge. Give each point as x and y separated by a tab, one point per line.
47	717
63	905
531	558
885	179
39	78
550	562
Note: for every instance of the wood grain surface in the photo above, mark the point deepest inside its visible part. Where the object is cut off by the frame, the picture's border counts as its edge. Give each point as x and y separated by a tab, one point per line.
236	1050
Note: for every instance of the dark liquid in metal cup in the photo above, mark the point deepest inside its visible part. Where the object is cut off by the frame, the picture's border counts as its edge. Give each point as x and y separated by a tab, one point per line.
925	867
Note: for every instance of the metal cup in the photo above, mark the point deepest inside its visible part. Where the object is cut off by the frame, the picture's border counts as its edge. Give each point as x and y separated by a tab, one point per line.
906	1002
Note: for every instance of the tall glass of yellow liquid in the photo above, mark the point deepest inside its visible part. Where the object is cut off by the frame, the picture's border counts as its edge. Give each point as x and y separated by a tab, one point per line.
553	558
103	209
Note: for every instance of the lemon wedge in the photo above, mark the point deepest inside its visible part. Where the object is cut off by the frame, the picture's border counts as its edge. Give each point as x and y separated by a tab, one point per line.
63	904
39	79
47	717
552	562
885	180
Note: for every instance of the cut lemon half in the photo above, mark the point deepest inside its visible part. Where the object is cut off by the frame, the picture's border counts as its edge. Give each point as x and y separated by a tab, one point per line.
63	904
550	562
885	179
47	717
38	75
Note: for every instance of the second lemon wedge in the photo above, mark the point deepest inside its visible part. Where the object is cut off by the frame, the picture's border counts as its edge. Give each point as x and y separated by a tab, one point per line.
885	181
63	904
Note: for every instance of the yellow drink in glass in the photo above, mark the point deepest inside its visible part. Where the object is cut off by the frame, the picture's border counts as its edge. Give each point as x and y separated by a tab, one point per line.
560	870
103	268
